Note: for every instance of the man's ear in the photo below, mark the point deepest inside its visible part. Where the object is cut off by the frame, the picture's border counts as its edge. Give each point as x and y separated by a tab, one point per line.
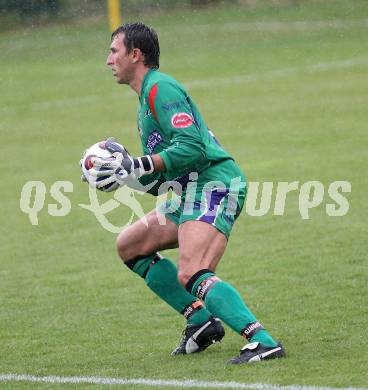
137	55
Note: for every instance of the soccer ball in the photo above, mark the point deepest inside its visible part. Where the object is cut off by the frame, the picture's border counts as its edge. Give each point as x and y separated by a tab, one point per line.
97	150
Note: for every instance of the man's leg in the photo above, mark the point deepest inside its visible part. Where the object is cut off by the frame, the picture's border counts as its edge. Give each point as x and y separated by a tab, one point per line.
137	246
201	247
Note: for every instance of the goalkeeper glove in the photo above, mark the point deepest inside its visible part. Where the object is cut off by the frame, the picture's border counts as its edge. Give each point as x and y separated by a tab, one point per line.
123	167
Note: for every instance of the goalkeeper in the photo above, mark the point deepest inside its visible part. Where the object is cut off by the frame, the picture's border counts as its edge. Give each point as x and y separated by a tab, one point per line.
178	149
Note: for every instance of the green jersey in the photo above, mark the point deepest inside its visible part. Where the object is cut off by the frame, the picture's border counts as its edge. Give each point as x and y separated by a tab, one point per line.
170	125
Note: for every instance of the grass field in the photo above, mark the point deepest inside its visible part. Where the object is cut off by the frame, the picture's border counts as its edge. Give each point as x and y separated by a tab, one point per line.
285	91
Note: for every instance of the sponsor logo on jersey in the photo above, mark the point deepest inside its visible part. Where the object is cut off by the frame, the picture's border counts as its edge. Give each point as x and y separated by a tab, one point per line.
153	140
172	106
147	113
181	120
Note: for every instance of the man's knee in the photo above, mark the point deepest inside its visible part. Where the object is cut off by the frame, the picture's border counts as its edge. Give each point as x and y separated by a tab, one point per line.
189	266
191	277
131	243
124	247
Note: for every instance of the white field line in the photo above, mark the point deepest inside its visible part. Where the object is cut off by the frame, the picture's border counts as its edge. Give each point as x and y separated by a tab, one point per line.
204	83
159	383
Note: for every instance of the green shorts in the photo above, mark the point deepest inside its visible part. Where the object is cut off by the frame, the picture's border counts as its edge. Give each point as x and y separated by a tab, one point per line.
216	197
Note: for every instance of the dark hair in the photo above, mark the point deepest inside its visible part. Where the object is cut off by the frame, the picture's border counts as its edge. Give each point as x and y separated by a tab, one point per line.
140	36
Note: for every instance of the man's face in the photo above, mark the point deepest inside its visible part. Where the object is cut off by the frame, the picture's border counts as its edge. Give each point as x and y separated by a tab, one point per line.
119	60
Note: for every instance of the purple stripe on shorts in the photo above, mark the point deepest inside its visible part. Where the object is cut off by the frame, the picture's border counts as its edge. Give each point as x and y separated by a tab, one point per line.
214	198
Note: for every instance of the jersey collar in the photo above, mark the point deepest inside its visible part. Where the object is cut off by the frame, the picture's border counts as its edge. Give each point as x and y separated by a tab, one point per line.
144	82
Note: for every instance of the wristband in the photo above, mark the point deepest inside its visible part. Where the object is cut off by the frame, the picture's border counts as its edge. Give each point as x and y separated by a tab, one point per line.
144	165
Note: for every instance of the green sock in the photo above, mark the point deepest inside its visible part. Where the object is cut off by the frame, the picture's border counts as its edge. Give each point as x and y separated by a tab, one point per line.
161	277
224	302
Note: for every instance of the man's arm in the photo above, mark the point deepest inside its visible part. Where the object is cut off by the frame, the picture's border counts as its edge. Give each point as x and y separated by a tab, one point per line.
179	127
158	163
173	113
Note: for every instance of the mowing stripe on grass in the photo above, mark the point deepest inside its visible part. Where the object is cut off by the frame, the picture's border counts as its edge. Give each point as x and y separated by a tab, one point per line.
274	26
204	83
158	383
319	67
